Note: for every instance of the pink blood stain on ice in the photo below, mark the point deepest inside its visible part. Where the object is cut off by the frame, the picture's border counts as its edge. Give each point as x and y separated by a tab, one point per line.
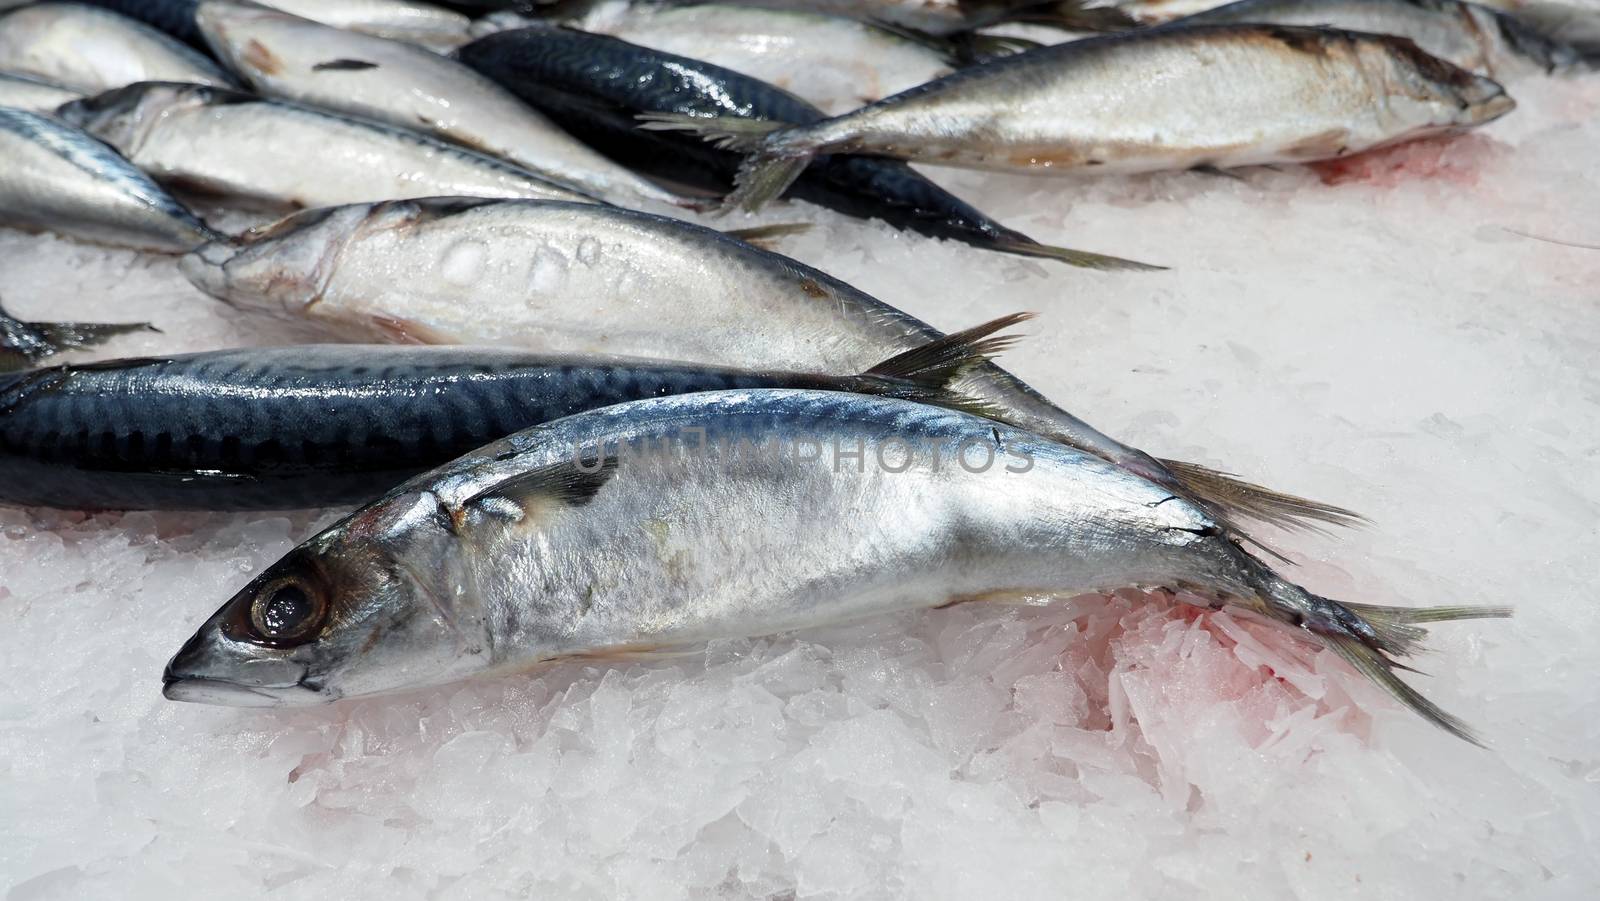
1459	159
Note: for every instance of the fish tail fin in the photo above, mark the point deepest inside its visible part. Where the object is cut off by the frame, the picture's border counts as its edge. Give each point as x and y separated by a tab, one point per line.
766	236
777	152
1238	498
1083	259
23	343
926	373
726	132
1369	637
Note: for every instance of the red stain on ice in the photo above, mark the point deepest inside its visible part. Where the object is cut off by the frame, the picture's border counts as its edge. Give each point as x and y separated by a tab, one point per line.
1459	159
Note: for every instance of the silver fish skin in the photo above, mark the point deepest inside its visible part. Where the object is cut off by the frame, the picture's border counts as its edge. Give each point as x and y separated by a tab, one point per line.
240	147
33	94
670	522
1230	95
939	17
568	278
57	178
285	56
401	20
92	49
834	62
1468	35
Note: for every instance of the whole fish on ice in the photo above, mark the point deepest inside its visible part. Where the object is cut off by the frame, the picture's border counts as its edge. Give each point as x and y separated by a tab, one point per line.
1228	95
93	50
275	153
320	425
676	521
389	81
57	178
576	278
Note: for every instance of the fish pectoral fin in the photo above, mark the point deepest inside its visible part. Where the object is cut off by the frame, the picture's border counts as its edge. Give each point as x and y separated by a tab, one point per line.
343	65
570	483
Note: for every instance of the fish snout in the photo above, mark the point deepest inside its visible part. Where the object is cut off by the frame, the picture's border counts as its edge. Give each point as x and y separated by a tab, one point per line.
1483	100
212	669
206	268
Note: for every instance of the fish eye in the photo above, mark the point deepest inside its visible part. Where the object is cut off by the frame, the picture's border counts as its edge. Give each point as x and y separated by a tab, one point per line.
287	612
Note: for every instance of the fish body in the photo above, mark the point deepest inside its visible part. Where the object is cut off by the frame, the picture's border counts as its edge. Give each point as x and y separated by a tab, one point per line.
670	522
938	17
400	20
288	57
1468	35
92	49
598	87
328	424
33	94
57	178
1229	95
573	278
833	62
240	147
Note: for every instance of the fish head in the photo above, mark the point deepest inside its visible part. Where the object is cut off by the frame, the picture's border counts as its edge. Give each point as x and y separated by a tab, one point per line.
1430	95
124	117
248	37
368	606
283	268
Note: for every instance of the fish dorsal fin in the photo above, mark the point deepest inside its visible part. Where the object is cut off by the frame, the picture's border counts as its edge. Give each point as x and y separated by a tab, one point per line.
569	483
942	360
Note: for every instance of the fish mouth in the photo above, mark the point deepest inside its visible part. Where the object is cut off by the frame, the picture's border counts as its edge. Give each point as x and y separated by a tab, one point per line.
1486	101
1491	108
210	669
200	690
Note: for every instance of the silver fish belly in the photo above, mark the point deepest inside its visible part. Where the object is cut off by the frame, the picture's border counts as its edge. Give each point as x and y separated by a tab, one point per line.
93	49
567	278
241	147
389	81
60	179
667	522
33	94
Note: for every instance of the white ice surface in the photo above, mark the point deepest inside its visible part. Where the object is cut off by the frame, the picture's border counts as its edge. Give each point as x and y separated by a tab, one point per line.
1387	343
